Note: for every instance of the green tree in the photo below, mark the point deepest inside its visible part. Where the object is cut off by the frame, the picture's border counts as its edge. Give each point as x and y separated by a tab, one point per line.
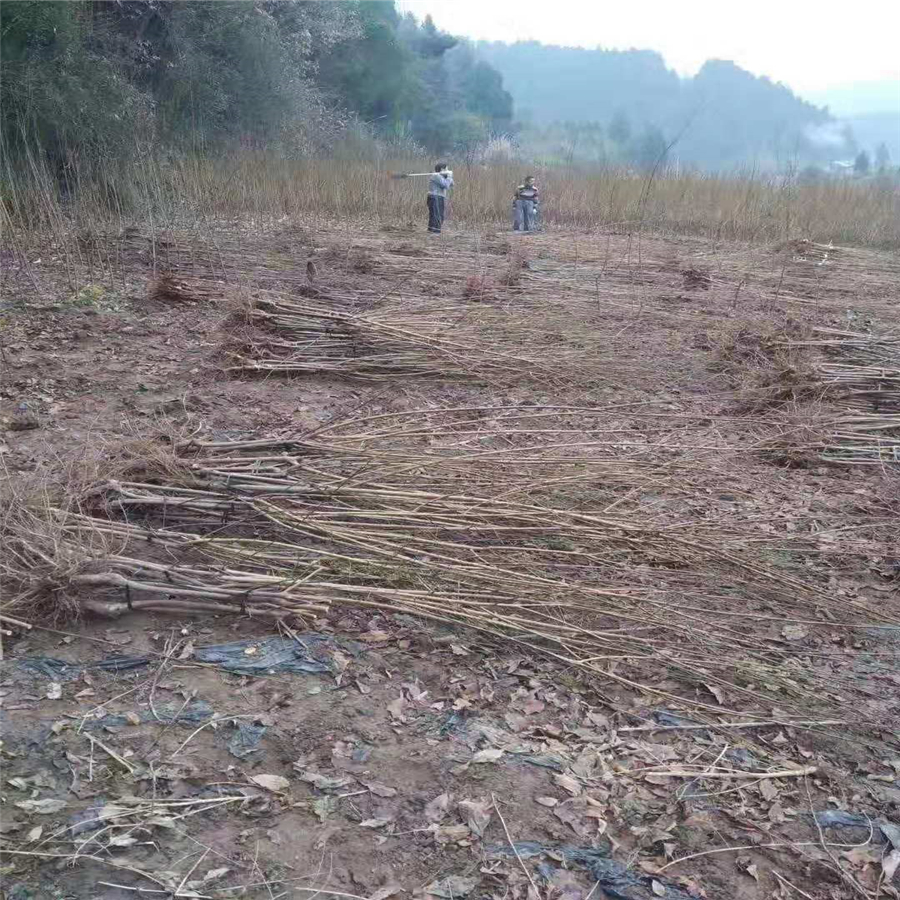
861	164
882	157
65	88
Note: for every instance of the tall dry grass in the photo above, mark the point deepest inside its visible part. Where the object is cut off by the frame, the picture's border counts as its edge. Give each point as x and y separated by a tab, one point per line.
156	192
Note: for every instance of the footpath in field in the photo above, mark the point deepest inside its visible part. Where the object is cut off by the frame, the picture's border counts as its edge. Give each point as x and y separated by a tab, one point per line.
558	566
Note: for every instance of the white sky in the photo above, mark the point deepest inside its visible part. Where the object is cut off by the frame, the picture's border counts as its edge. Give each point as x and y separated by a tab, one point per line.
808	46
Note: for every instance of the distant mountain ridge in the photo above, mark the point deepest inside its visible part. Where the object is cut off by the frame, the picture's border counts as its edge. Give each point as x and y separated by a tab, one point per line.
723	117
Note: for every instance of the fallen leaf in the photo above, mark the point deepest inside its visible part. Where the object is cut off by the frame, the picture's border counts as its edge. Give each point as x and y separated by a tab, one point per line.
477	814
375	637
54	690
753	872
776	813
794	632
546	801
396	708
323	807
381	790
215	874
571	813
447	834
387	891
322	782
42	807
516	722
531	706
889	865
568	784
122	840
35	833
458	650
275	783
379	822
490	754
452	887
436	809
768	789
862	856
716	692
658	888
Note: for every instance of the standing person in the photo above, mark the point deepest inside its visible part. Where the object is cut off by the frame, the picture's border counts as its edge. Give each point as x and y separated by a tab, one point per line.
525	206
438	185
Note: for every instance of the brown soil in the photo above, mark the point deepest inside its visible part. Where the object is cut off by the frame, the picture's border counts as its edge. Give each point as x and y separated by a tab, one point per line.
415	707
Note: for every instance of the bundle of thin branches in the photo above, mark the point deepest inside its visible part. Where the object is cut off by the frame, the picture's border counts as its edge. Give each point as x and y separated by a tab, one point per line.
589	588
168	287
61	561
865	382
419	339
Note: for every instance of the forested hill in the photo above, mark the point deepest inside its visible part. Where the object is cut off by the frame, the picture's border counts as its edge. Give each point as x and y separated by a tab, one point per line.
105	80
632	102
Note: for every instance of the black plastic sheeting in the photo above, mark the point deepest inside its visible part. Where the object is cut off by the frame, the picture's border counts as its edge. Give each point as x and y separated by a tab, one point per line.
617	881
246	740
881	829
61	670
194	713
309	653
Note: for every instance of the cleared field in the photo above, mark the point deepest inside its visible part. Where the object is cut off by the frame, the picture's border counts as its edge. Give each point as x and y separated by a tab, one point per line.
597	531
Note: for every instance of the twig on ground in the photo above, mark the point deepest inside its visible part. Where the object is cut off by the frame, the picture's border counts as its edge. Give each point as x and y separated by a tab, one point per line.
512	847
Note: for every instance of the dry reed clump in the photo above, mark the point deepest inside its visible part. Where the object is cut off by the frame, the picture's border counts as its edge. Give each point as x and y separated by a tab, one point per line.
802	431
767	371
476	287
262	188
363	262
695	279
516	266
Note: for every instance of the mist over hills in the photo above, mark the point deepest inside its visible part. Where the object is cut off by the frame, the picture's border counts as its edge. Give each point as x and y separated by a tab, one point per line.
612	104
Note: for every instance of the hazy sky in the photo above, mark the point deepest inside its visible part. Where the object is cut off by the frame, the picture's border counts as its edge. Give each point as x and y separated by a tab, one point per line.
809	46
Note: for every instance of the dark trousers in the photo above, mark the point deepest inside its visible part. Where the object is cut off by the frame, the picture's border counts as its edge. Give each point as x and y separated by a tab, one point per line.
435	213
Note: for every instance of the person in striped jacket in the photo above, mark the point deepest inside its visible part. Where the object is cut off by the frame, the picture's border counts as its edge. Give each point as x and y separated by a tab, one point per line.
525	206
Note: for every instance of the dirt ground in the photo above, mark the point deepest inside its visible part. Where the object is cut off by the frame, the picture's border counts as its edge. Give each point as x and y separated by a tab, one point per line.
416	759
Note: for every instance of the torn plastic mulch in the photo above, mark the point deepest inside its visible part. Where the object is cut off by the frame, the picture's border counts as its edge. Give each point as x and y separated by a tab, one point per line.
309	653
881	830
616	880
